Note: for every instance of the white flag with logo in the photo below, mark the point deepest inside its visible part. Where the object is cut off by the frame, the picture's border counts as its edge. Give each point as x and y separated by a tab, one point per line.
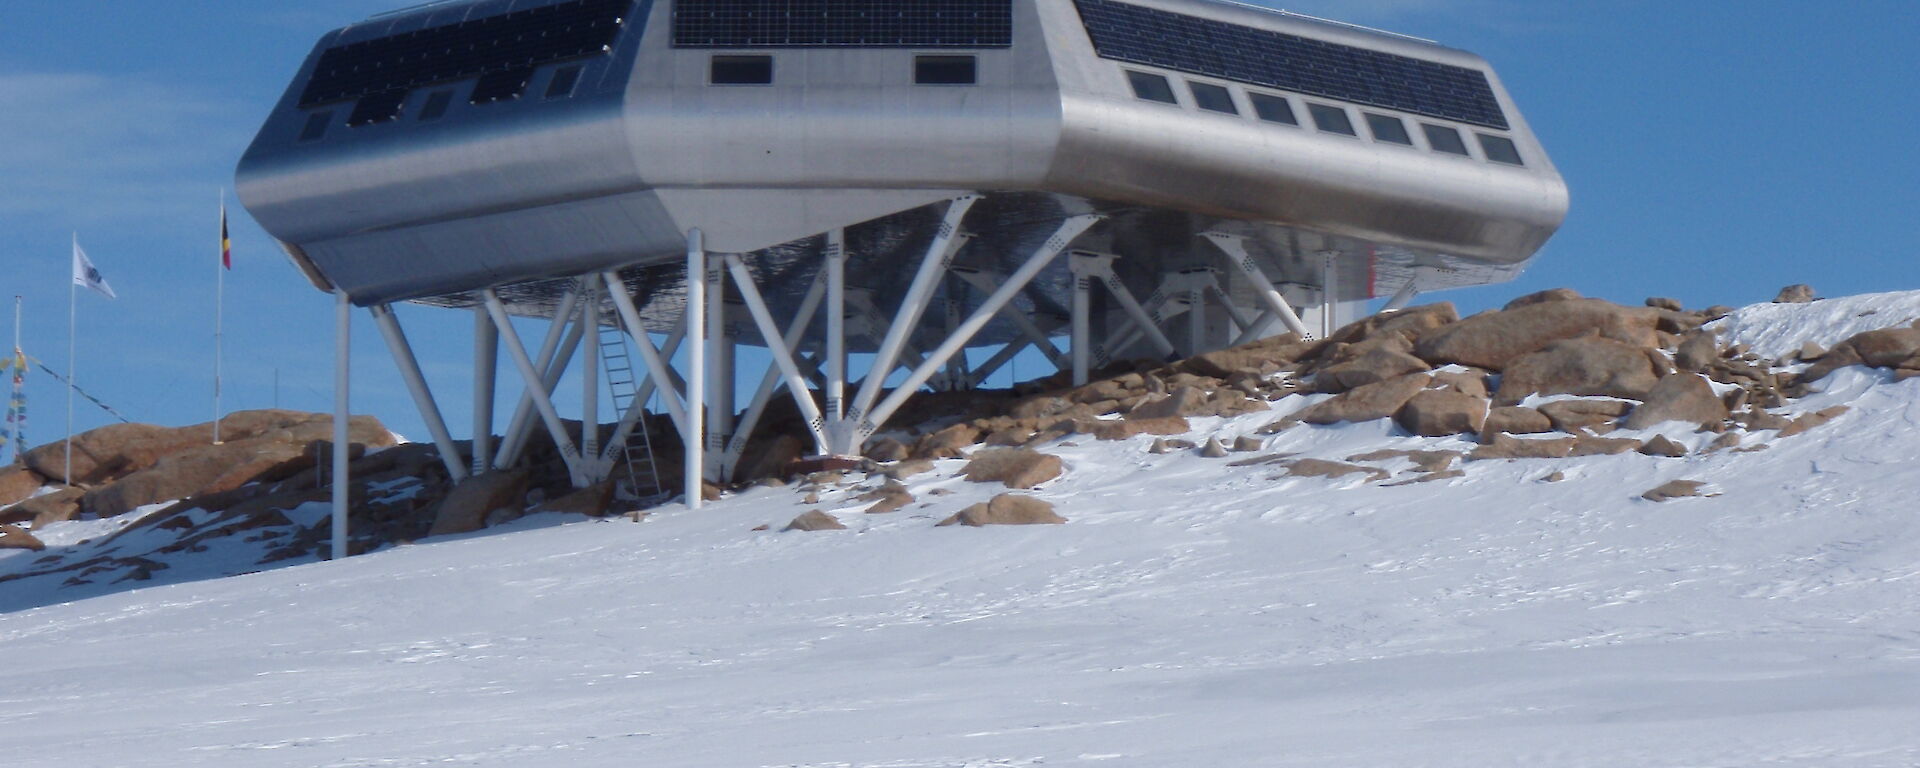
86	275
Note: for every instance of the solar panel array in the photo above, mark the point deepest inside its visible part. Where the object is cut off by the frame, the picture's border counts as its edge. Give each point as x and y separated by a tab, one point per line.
1157	38
843	23
519	40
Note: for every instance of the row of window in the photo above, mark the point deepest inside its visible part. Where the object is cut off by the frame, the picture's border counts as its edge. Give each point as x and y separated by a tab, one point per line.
928	69
389	106
1327	118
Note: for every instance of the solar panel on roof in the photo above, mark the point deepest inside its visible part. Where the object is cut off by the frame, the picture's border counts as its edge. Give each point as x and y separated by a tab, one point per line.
843	23
519	40
1149	36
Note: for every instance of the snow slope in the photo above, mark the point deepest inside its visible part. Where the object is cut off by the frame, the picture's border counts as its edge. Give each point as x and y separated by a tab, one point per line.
1191	614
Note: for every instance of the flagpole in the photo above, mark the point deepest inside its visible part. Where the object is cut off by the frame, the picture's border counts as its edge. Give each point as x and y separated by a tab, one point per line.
73	301
219	313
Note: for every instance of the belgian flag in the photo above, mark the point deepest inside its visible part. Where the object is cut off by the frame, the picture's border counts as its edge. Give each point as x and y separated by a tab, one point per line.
226	242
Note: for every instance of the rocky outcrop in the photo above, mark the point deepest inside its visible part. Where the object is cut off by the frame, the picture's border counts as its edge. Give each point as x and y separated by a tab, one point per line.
1794	294
1674	489
1012	467
1683	397
1007	509
17	482
271	450
468	506
1582	366
1373	401
814	520
1495	339
1438	413
12	537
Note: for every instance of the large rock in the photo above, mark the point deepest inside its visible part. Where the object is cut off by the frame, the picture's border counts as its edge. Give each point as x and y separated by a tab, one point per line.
815	520
948	443
1794	294
1684	397
1408	323
1372	367
1886	348
1516	420
1126	428
1373	401
263	455
57	507
12	537
1697	351
469	503
1013	467
1185	401
1007	509
17	482
1438	413
1492	340
1542	297
1578	415
118	450
770	458
593	501
1582	366
1256	357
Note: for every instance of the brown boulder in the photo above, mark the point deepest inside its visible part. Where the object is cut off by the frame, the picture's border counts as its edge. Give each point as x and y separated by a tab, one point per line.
592	501
769	457
57	507
1661	445
268	455
890	497
1697	351
470	502
17	482
1185	401
1407	324
1675	489
1253	357
1579	415
1468	382
1504	447
1662	302
1584	366
1543	297
1373	401
1493	340
1794	294
887	449
1816	419
1424	461
814	520
12	537
1333	470
1886	348
1012	467
949	443
1007	509
1126	428
1371	367
1438	413
1516	420
1603	446
1679	397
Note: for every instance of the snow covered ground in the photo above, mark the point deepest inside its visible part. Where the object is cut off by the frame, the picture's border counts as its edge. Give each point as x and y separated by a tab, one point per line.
1192	613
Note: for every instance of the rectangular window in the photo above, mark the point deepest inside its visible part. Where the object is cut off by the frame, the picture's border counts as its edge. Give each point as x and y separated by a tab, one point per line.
316	126
1331	119
1444	139
375	108
1272	109
1151	87
436	107
564	81
945	70
1212	98
501	86
1388	129
742	70
1500	149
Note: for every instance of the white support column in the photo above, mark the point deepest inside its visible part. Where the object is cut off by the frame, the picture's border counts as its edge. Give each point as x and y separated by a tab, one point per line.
520	426
1061	239
342	381
770	382
1080	338
1404	297
1236	251
938	257
720	384
693	434
782	356
590	374
417	386
836	267
535	385
1329	293
486	367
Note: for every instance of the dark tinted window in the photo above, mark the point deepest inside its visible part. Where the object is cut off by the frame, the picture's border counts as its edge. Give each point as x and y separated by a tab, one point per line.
1388	129
842	23
945	70
1444	139
501	86
563	83
377	108
1272	109
742	70
1331	119
1500	149
1151	87
316	126
436	107
1213	98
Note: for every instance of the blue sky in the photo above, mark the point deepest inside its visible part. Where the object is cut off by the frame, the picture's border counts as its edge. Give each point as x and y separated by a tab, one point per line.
1716	151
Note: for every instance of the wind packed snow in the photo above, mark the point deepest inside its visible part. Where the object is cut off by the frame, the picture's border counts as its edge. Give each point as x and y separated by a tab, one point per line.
1191	613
